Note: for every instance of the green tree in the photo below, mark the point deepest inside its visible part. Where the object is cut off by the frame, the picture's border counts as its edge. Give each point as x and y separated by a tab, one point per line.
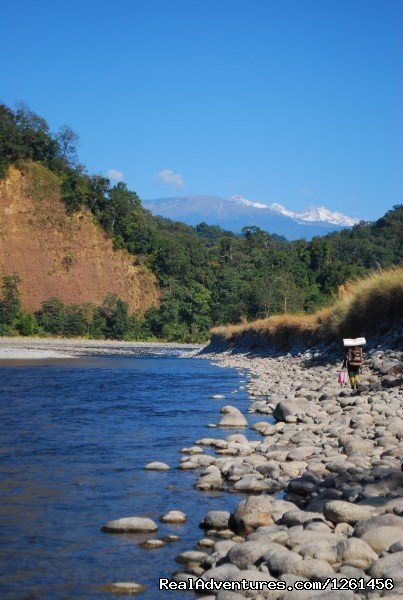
121	202
10	304
11	143
27	324
75	322
68	143
75	190
139	329
115	315
98	325
37	141
51	317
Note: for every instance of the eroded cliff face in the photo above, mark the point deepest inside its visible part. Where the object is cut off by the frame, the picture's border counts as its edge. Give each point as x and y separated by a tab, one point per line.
59	255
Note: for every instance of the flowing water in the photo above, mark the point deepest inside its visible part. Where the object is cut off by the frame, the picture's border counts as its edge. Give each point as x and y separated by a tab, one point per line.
75	435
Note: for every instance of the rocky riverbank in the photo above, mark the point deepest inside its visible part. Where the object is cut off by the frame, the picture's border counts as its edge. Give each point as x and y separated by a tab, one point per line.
32	348
323	486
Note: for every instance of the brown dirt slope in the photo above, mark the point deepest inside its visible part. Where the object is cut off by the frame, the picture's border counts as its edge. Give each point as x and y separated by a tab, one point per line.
59	255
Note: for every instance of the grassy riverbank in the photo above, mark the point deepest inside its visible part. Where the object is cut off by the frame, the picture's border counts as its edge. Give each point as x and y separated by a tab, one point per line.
373	304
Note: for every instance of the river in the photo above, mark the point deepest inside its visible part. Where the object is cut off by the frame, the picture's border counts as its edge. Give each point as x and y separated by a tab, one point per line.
75	435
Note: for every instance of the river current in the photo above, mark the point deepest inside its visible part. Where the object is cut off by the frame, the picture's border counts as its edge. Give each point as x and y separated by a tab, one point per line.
75	435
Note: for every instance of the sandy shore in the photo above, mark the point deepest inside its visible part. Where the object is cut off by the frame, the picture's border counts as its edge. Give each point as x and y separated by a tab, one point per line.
322	489
15	348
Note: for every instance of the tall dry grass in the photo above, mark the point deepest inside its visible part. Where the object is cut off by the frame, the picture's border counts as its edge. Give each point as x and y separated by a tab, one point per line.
371	305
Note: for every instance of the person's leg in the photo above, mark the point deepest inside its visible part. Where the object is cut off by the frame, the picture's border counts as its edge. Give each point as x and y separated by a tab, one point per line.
357	378
352	379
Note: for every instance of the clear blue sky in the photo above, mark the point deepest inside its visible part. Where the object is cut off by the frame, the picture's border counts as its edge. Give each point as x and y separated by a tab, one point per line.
290	101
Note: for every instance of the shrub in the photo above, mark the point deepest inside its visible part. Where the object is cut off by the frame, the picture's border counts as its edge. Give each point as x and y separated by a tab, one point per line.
27	324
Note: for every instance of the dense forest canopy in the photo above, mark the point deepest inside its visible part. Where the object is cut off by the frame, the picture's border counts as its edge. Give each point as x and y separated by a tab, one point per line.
207	276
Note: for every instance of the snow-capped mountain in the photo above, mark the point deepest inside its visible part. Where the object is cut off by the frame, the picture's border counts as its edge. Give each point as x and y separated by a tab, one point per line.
237	212
312	213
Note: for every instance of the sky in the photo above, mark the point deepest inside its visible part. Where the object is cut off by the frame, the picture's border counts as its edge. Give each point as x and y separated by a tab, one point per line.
297	102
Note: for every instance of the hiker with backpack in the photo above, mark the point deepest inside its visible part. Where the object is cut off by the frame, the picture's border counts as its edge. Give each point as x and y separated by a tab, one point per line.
353	361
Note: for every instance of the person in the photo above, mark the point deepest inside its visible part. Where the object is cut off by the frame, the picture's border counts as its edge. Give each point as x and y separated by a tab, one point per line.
353	361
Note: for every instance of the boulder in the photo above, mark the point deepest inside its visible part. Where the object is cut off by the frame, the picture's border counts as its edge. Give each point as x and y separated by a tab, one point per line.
130	525
252	576
386	520
173	516
312	568
301	453
157	466
124	588
216	519
191	556
178	577
390	381
297	536
355	552
269	534
221	550
192	450
381	538
391	367
171	538
280	507
222	573
280	560
251	514
300	517
211	481
339	511
320	549
249	483
290	410
232	418
382	566
245	554
152	544
355	443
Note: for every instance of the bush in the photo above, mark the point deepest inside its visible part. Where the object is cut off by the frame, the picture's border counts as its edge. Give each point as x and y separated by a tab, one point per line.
6	330
27	324
75	321
52	315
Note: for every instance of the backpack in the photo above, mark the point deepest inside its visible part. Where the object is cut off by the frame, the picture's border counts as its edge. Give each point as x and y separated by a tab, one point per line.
355	357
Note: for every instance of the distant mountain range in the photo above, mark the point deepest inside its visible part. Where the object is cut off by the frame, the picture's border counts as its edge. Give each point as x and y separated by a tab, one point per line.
237	212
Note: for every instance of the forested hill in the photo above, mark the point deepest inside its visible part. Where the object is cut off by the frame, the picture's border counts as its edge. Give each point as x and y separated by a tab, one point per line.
206	276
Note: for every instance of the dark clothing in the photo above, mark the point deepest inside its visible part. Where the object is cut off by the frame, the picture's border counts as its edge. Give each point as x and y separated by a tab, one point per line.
353	373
